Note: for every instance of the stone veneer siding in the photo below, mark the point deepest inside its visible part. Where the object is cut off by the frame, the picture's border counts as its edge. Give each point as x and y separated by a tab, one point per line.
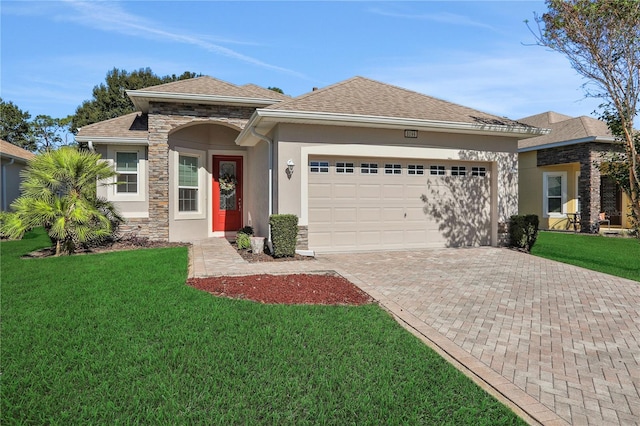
164	118
589	155
302	241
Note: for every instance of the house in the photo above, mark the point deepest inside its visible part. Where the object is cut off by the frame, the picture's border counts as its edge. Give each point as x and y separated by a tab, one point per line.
560	178
363	164
13	160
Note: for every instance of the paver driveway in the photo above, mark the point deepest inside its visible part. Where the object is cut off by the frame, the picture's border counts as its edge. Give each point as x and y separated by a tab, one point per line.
561	344
540	330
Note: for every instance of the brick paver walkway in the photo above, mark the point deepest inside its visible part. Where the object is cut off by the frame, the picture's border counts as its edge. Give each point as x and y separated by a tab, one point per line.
559	344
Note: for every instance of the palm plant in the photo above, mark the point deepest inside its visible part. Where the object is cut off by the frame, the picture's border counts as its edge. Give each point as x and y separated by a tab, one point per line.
59	193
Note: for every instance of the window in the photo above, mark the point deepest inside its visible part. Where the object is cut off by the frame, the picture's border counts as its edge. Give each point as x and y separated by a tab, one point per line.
369	168
392	169
319	166
436	170
458	171
554	193
187	183
344	167
478	171
415	169
127	169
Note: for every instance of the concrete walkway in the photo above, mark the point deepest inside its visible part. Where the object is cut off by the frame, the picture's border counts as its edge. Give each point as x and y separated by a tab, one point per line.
557	343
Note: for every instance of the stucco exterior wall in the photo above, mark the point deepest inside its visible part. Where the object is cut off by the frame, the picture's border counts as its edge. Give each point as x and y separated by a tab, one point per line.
11	183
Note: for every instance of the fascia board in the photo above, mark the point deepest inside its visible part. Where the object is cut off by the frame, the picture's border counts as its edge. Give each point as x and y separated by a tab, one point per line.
603	139
141	99
103	140
264	116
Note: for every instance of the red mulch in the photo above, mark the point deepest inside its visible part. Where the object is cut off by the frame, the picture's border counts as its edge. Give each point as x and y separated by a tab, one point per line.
320	289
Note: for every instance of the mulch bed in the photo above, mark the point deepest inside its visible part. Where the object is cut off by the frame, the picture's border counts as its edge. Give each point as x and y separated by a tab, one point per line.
321	289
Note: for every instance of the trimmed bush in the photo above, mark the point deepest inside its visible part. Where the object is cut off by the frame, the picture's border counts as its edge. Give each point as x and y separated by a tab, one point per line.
523	231
243	241
247	230
284	232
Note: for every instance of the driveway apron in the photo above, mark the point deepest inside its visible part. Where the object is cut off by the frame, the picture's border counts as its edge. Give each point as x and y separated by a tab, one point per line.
558	343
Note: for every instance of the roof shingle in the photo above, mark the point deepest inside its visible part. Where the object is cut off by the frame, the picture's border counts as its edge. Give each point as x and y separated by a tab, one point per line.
10	150
133	125
564	128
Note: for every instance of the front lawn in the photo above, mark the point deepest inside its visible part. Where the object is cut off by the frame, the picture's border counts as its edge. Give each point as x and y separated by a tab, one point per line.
611	255
119	338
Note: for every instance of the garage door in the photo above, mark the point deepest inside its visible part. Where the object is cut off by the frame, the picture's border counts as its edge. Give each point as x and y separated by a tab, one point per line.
375	204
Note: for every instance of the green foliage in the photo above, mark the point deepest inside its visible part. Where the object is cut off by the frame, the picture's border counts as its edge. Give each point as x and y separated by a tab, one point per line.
276	89
50	133
123	340
284	232
59	193
523	231
611	255
110	99
15	127
243	241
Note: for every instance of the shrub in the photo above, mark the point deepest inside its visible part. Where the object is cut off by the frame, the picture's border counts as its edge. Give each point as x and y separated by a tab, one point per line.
284	231
523	231
243	241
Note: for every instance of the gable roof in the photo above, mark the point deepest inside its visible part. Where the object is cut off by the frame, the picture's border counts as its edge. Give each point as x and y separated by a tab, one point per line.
364	102
565	130
132	128
11	151
204	90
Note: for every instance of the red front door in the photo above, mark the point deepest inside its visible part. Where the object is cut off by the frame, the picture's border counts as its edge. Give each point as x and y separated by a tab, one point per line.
227	193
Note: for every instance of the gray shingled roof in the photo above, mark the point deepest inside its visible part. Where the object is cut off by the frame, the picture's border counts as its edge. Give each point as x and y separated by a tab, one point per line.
363	96
211	86
134	125
9	150
565	128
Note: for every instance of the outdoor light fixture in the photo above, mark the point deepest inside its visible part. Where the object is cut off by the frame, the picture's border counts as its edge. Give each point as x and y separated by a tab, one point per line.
290	165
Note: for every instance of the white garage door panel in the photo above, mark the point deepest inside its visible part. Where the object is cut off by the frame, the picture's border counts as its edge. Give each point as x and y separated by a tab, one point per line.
356	211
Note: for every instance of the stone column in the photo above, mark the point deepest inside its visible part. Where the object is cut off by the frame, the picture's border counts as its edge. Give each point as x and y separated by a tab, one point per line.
158	177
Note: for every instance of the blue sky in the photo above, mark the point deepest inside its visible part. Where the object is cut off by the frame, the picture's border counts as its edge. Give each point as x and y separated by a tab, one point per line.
477	53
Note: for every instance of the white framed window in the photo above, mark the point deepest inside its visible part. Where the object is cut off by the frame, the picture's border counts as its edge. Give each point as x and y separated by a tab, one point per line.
478	171
458	171
188	184
392	169
369	168
319	166
127	169
415	169
342	167
554	193
436	170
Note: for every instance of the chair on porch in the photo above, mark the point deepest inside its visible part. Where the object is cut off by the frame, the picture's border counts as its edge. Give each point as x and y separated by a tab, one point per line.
603	218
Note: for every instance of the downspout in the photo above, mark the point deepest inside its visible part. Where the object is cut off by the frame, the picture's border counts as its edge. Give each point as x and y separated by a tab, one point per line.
4	183
90	146
270	143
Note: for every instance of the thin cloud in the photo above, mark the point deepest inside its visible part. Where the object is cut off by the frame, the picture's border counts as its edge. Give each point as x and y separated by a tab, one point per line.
442	17
111	18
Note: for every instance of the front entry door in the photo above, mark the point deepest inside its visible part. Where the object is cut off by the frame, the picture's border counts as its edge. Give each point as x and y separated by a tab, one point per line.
227	193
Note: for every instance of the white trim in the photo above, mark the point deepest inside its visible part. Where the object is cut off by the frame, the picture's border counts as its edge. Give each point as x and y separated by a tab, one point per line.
175	154
113	194
141	99
603	139
563	195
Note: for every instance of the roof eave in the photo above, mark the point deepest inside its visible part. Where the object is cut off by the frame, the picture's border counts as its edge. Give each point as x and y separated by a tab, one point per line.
142	98
112	140
603	139
264	119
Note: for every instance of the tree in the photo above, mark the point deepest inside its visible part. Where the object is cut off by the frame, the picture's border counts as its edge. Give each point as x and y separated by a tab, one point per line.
276	89
601	39
59	193
15	127
50	133
110	99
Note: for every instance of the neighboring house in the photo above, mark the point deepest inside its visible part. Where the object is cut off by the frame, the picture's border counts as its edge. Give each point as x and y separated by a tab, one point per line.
364	165
559	174
13	160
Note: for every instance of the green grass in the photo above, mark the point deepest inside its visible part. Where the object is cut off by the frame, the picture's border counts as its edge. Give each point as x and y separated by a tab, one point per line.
615	256
119	338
